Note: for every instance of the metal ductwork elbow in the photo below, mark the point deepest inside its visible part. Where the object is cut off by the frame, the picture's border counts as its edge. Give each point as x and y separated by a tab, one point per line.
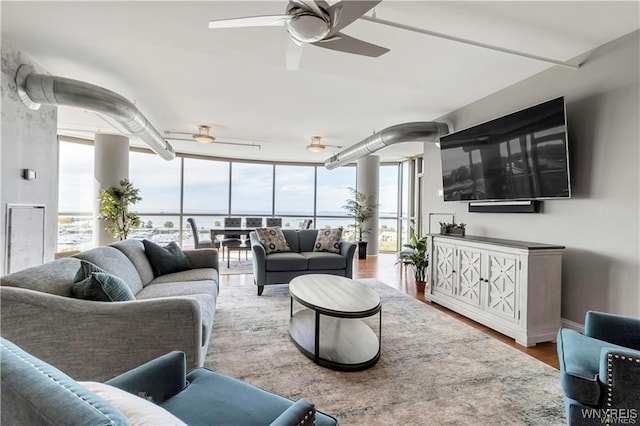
420	131
36	89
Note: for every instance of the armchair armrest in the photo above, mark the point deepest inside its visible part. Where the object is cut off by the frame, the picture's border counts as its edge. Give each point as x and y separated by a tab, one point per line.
258	260
617	329
160	378
202	258
301	413
620	373
99	340
348	250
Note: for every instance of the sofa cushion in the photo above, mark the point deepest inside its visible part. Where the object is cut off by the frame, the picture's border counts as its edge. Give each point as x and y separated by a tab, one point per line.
167	259
114	262
188	275
137	410
102	287
318	260
272	239
181	288
328	240
53	277
288	261
85	271
307	238
291	235
134	250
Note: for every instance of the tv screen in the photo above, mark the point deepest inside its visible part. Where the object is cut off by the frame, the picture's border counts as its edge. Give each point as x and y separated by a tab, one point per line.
521	156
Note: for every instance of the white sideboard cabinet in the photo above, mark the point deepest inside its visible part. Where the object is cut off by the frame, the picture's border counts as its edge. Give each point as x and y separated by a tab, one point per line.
512	287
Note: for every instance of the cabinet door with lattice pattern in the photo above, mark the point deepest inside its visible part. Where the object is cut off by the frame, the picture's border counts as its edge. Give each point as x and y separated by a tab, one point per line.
469	282
443	271
503	285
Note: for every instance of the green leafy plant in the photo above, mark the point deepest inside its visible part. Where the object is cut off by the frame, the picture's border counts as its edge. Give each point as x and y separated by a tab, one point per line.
419	257
114	209
361	208
452	228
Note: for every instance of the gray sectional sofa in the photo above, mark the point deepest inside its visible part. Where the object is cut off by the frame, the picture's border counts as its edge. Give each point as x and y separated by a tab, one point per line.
280	268
98	340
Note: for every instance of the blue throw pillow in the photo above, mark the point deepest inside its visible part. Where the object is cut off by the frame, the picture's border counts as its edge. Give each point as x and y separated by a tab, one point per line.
167	259
102	287
86	268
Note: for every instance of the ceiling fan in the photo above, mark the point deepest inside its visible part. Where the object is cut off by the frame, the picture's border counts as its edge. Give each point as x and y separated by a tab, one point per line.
313	22
203	136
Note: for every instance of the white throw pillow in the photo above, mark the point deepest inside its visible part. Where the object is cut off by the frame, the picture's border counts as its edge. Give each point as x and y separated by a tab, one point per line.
138	411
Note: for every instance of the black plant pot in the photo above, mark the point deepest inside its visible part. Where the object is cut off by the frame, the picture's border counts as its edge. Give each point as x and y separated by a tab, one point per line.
362	249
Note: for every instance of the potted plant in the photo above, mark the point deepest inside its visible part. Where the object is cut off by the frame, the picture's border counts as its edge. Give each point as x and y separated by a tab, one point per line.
114	209
419	260
452	228
361	208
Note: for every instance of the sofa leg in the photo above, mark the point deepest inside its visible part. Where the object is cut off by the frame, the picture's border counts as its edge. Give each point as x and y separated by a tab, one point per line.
260	290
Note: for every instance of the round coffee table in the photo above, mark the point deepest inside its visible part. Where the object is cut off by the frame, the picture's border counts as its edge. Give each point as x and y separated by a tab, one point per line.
330	321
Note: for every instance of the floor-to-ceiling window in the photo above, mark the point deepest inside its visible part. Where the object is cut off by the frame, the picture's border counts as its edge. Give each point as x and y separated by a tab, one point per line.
75	196
159	183
388	208
294	194
332	191
210	189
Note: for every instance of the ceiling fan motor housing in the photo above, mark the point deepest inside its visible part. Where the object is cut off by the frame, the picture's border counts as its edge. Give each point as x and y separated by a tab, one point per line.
306	26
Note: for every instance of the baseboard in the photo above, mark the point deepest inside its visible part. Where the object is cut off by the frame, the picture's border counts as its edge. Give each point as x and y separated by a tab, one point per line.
572	325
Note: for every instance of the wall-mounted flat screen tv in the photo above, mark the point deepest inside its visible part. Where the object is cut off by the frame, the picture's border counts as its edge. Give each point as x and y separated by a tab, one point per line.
521	156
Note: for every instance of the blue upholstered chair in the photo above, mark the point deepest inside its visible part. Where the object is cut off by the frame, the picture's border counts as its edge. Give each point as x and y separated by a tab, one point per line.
600	370
36	393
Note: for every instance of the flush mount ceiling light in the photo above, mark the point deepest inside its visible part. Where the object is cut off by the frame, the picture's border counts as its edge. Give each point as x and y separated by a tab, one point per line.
203	135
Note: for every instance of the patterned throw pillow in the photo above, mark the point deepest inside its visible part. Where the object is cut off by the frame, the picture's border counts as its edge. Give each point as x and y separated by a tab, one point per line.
102	287
272	239
328	240
167	259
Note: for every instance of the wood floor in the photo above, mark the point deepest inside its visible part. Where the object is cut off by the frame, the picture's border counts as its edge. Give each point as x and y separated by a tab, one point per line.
384	268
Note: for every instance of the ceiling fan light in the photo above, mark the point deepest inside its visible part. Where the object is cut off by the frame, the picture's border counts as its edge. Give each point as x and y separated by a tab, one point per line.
204	138
315	145
308	28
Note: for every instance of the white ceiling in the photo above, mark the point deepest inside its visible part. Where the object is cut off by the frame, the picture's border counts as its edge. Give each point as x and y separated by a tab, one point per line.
180	74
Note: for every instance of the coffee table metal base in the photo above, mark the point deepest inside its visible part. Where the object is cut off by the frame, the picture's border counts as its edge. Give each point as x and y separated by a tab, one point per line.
344	344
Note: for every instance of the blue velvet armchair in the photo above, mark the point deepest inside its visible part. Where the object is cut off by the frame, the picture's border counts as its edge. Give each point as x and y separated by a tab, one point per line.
600	370
158	392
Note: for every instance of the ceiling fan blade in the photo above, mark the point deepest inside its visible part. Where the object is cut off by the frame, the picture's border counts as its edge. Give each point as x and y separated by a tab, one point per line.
310	4
345	12
217	142
293	53
251	21
345	43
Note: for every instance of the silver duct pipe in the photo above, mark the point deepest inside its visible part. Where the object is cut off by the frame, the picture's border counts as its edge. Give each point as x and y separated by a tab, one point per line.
35	89
420	131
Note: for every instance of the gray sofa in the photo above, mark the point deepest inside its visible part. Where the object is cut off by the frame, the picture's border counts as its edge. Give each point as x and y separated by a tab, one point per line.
99	340
280	268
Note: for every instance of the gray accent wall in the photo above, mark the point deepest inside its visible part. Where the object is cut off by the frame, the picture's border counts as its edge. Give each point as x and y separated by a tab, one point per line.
599	225
28	141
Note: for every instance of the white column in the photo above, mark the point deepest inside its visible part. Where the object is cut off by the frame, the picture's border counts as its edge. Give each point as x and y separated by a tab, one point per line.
111	164
368	182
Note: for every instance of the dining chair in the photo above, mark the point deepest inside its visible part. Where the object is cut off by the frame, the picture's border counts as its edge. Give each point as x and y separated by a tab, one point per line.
251	222
230	241
197	242
274	221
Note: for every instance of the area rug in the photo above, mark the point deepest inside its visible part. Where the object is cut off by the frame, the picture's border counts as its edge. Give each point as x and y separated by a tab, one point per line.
235	267
433	369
